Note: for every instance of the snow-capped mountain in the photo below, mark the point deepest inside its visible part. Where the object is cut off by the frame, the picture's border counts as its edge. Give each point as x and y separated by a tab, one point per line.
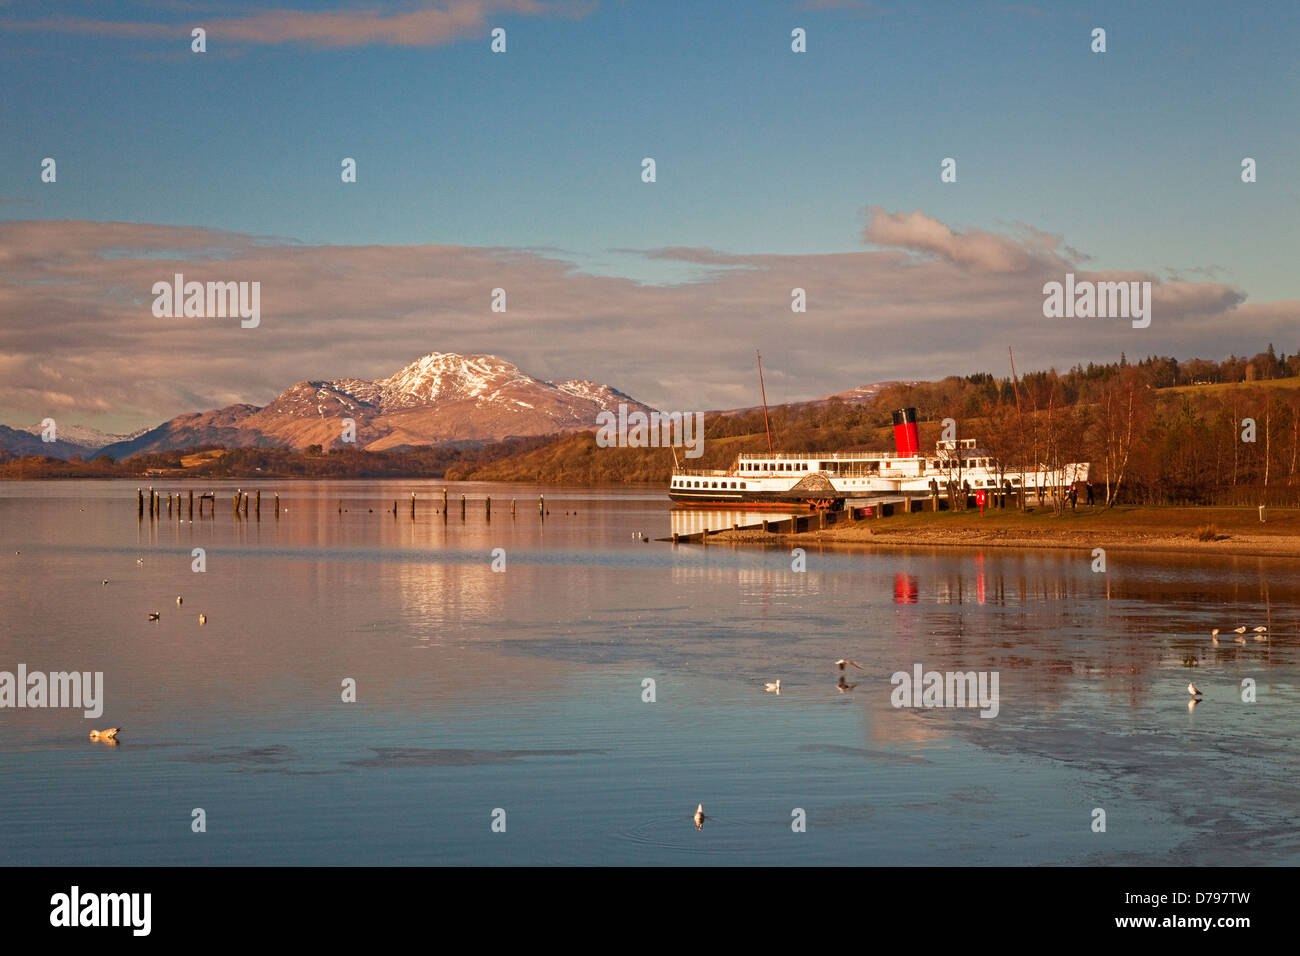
89	438
441	397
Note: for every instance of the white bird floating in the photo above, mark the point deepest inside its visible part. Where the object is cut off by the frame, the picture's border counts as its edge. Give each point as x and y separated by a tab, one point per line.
178	600
842	661
154	615
203	619
104	734
1191	689
699	817
772	686
1261	629
1239	630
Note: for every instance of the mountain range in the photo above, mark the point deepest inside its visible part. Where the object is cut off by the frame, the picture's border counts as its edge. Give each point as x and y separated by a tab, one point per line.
441	398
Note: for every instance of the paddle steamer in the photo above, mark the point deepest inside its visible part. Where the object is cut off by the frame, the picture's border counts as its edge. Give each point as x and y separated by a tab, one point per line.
826	480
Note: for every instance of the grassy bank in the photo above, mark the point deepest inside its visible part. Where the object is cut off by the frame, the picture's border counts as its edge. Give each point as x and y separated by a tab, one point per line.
1135	528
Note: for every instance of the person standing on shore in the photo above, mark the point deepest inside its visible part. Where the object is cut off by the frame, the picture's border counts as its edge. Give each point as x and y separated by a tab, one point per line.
1090	498
1074	497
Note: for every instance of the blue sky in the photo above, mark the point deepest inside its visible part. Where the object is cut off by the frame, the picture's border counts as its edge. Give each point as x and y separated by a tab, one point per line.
1131	157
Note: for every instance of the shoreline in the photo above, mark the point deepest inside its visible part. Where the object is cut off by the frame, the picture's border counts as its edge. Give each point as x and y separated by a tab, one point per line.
1167	529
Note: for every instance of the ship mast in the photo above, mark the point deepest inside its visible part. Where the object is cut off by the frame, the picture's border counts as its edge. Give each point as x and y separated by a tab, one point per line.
763	390
1013	378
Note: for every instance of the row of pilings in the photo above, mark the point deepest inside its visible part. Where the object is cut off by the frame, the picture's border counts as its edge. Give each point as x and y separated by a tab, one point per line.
151	500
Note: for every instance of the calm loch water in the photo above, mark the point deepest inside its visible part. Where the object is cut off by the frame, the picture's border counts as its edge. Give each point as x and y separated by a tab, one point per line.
522	691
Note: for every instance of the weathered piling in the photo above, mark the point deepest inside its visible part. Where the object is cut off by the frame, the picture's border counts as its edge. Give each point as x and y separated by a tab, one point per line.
512	507
139	500
412	505
487	509
541	506
462	507
277	506
444	502
245	504
258	507
192	505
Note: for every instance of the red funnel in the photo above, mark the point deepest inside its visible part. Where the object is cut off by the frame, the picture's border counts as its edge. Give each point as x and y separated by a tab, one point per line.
906	437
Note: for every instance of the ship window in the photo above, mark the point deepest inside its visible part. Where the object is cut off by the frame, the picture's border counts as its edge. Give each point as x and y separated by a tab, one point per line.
742	486
733	484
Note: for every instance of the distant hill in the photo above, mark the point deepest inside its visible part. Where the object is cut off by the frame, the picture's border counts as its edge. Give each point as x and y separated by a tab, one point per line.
439	399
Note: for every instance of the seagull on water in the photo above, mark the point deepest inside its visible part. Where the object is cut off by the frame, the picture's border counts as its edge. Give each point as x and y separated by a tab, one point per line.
203	619
1191	689
105	582
104	734
1239	630
178	600
842	661
700	817
772	687
1261	629
154	615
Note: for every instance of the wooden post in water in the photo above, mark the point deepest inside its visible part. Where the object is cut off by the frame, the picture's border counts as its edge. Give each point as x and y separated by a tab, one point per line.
277	506
169	504
487	511
412	505
462	507
245	504
192	505
512	507
674	537
541	506
444	502
236	503
258	508
139	501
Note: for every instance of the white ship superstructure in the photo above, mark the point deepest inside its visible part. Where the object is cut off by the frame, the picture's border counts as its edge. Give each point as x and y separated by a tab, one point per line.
827	479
